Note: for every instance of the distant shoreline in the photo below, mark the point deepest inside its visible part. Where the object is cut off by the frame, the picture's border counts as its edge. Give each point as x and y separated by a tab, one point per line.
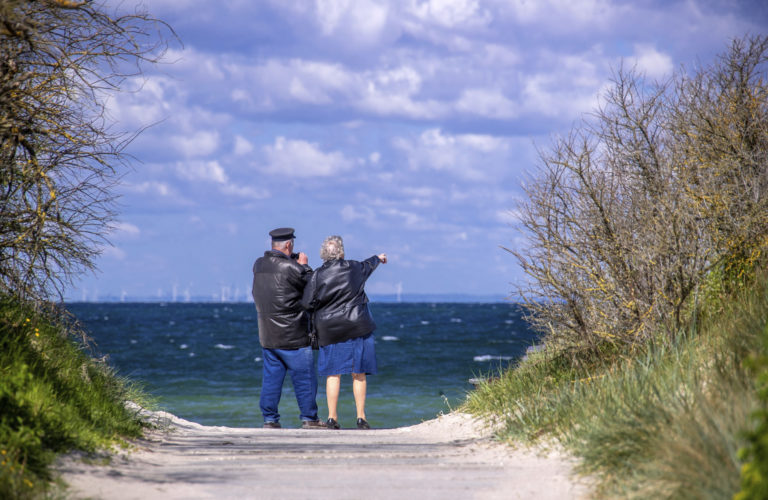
375	298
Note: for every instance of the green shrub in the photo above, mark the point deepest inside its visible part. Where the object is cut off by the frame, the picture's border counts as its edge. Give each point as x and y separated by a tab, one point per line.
664	421
55	398
754	472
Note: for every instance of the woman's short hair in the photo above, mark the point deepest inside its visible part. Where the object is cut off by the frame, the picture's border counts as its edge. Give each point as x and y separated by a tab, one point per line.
332	248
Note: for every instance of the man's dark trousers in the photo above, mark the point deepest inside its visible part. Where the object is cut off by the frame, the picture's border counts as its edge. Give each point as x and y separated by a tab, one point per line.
300	363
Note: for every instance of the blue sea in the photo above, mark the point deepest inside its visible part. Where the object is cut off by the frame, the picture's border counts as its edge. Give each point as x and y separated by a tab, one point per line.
202	361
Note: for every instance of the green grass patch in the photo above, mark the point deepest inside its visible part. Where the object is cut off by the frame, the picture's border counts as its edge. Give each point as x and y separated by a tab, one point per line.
54	397
666	422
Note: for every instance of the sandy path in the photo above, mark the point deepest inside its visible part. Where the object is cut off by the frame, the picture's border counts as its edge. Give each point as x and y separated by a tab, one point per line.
446	458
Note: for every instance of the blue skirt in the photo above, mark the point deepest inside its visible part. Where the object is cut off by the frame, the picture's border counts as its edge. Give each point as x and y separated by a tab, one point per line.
356	355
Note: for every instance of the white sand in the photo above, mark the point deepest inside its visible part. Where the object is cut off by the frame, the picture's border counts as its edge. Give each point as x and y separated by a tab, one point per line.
450	457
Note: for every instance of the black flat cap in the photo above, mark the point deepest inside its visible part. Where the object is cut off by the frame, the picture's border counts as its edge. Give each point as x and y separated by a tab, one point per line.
282	234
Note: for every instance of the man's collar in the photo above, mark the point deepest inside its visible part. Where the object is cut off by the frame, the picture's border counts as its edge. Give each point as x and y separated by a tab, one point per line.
276	253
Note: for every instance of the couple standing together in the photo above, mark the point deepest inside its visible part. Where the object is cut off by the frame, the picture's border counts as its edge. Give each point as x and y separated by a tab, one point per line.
295	303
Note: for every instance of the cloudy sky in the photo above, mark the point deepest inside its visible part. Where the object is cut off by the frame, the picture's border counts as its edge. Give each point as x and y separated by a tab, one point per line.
405	126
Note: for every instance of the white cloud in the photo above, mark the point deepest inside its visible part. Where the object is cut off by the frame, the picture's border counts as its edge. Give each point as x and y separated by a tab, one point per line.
410	219
393	92
200	143
245	191
301	93
242	146
148	187
389	91
421	196
404	80
488	103
552	13
144	102
502	56
267	84
124	230
567	91
357	21
468	156
450	13
653	63
388	104
240	96
196	64
303	159
112	252
207	171
484	143
351	213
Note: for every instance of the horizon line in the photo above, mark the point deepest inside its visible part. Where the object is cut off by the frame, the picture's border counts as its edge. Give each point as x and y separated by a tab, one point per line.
381	298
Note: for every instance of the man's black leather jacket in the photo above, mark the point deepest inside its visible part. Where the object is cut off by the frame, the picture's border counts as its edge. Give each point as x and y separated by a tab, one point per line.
278	285
337	300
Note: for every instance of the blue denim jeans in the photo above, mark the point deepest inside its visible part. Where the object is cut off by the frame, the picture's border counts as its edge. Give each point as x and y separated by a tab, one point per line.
301	365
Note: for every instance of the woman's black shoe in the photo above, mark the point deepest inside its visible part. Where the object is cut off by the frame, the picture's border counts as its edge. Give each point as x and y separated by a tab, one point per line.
362	424
332	424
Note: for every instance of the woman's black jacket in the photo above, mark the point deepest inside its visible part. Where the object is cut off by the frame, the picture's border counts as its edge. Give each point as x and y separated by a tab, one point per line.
337	301
278	285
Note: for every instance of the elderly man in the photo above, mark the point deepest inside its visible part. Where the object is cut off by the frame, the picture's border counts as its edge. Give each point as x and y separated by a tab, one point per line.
279	278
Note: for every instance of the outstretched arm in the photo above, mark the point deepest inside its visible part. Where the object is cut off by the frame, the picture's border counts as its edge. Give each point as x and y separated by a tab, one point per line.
371	263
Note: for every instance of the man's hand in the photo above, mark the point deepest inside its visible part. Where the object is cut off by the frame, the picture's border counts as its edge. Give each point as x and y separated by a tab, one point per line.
383	258
302	258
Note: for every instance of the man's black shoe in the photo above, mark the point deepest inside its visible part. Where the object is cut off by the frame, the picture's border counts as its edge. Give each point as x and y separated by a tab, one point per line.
312	424
362	424
272	425
331	423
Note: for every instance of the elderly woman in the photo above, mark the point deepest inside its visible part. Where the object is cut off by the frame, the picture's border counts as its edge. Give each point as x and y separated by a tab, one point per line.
343	323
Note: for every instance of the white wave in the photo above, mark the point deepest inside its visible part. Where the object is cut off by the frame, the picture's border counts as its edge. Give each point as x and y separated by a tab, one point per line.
224	346
488	357
455	320
183	346
256	360
191	354
134	341
508	321
390	337
423	322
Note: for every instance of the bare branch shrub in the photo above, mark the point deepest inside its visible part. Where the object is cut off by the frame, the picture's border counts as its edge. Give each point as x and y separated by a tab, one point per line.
58	158
721	121
631	210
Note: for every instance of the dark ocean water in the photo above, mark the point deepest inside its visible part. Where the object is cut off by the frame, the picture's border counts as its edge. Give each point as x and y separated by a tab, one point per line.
203	361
